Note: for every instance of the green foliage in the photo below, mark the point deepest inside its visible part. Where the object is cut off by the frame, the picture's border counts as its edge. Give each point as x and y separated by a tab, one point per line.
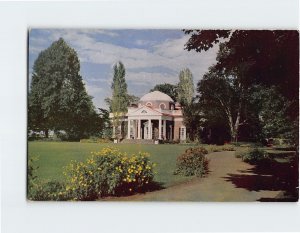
120	100
276	56
275	52
215	148
57	98
108	172
228	147
222	99
192	162
255	156
95	140
192	119
185	87
271	109
48	191
167	88
38	190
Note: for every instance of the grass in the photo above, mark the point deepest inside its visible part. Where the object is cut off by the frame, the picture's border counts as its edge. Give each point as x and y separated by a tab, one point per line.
53	156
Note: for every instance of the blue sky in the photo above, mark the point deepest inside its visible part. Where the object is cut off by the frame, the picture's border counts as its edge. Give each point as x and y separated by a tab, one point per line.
150	57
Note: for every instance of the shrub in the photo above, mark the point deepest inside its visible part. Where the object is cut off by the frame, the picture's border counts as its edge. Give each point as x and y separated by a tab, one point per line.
213	148
47	191
284	148
228	147
108	172
95	140
192	162
38	190
255	156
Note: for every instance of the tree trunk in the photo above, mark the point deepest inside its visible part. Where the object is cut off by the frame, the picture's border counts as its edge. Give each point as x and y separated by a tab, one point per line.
46	132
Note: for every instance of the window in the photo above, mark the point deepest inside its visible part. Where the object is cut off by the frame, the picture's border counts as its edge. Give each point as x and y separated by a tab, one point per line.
182	133
162	106
149	104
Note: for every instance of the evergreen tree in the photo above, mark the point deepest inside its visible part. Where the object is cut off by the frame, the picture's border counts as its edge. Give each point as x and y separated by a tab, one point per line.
185	87
190	112
119	101
58	99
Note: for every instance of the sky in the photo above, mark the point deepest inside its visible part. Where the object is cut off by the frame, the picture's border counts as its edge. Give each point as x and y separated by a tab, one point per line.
150	57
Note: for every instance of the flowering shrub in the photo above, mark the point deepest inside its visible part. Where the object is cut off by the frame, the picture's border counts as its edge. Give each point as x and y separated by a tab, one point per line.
192	162
108	172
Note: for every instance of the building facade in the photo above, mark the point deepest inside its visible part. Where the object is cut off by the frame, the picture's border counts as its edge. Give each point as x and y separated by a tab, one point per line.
155	117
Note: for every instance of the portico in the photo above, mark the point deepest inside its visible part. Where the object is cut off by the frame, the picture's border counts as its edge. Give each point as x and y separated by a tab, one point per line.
156	117
142	125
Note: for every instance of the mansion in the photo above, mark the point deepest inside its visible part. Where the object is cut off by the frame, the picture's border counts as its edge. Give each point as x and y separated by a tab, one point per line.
155	117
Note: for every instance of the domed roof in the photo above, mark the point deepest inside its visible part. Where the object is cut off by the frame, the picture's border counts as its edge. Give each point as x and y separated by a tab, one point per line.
156	95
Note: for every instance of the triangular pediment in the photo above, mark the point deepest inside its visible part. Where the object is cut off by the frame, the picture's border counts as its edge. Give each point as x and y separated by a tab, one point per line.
145	111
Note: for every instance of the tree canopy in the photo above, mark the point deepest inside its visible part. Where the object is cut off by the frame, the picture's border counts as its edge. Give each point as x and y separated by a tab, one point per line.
57	99
120	98
248	59
185	87
270	58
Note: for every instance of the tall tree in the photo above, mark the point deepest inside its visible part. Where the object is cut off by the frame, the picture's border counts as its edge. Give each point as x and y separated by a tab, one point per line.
185	87
225	95
58	99
119	101
270	107
272	57
167	88
266	58
190	110
132	99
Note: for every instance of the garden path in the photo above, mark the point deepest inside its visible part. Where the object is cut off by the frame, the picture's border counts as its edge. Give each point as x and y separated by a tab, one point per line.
229	179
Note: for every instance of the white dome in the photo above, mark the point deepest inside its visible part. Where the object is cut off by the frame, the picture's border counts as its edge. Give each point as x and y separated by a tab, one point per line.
156	95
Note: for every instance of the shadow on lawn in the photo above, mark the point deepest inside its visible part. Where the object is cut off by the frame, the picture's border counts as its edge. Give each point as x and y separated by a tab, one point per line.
273	176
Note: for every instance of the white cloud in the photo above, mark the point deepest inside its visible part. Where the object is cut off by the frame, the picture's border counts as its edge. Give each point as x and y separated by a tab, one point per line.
97	93
169	54
145	78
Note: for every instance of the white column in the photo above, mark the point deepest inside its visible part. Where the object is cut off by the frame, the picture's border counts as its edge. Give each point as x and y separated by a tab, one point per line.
128	129
159	129
164	130
134	128
184	133
149	129
114	132
139	129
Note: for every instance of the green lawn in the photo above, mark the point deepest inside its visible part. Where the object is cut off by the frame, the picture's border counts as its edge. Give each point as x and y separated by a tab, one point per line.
53	156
